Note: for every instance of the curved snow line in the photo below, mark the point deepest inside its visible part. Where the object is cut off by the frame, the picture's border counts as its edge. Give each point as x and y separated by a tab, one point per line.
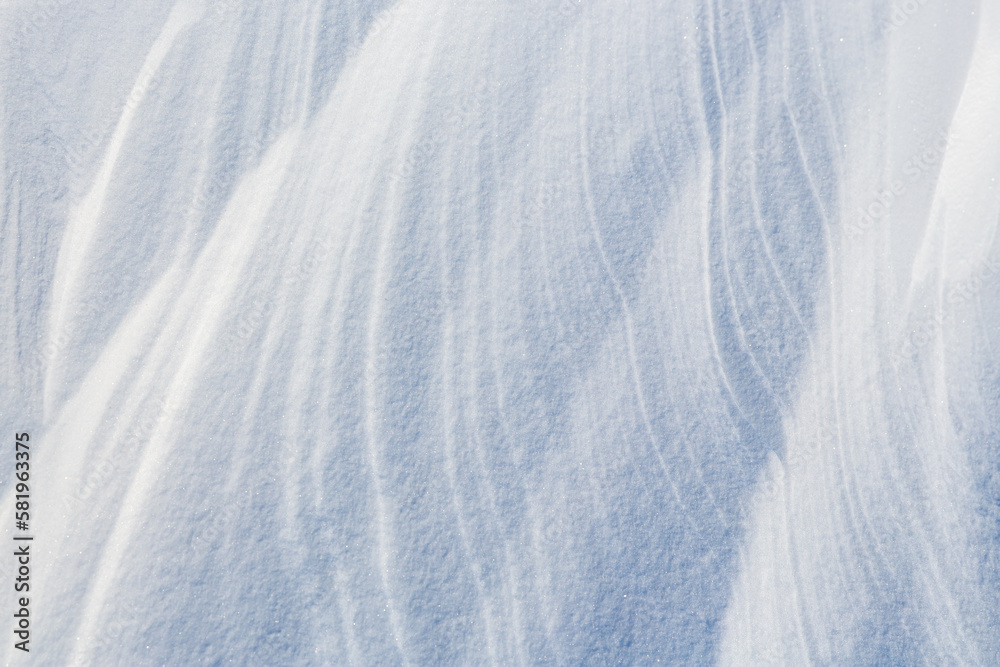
85	217
192	330
963	216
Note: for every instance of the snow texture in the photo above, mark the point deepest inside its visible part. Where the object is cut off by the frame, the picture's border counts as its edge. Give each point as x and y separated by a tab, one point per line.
524	332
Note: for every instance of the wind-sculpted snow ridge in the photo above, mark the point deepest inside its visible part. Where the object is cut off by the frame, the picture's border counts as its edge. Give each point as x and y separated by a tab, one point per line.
505	333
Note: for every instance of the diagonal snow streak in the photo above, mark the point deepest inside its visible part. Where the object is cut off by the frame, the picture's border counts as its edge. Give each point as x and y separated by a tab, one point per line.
204	295
85	217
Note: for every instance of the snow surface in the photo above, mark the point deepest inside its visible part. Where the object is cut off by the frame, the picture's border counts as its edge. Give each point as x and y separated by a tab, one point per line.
454	333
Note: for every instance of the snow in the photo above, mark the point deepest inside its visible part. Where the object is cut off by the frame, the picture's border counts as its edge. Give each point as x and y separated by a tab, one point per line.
503	333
